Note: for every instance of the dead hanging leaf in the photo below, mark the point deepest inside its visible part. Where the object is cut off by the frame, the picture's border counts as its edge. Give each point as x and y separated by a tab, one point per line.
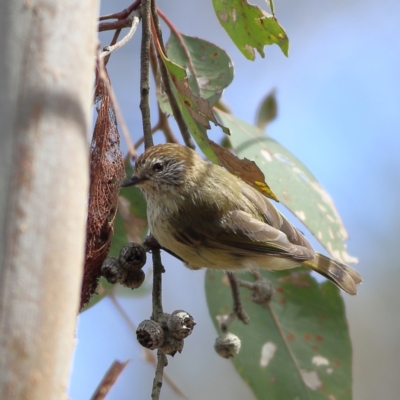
106	173
109	379
198	108
245	169
267	110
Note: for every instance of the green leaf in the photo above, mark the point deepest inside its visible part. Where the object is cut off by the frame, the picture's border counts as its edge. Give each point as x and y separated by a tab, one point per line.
250	27
293	184
195	110
196	128
267	110
296	347
210	68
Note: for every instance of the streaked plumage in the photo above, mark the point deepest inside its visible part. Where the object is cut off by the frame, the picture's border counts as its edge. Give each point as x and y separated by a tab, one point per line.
232	227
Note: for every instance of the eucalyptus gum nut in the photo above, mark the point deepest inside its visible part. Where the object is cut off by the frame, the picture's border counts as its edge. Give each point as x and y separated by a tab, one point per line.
134	279
132	256
112	270
180	324
150	334
227	345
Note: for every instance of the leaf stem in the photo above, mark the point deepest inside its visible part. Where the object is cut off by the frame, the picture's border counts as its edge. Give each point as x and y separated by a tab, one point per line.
157	34
237	308
182	43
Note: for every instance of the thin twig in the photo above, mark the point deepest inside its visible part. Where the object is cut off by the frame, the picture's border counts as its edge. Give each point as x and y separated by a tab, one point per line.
245	284
237	309
108	380
154	64
162	123
121	311
237	301
166	80
158	315
144	74
111	26
103	75
113	41
134	19
122	14
158	378
158	270
182	43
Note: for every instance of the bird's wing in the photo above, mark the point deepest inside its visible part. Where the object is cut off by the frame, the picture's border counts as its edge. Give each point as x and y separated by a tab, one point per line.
240	232
272	216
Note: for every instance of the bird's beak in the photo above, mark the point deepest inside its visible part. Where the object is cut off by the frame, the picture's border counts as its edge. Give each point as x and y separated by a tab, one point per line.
133	180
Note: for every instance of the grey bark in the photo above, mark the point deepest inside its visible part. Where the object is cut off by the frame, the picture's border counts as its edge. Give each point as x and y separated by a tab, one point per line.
46	77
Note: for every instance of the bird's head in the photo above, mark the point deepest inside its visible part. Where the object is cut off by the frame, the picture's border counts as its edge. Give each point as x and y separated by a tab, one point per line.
164	168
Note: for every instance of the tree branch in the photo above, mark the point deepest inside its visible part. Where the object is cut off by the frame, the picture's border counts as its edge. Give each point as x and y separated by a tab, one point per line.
158	270
144	74
133	19
158	378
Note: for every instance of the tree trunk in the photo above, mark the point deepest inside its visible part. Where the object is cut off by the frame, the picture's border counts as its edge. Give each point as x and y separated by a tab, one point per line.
46	77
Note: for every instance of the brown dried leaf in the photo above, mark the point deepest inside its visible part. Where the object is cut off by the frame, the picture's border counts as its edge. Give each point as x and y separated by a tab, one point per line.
106	173
267	110
245	169
199	108
108	380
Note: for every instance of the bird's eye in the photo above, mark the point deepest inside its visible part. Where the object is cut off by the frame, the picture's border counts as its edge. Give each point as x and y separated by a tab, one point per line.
158	167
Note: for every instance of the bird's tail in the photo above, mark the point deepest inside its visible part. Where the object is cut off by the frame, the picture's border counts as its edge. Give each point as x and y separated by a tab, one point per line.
340	274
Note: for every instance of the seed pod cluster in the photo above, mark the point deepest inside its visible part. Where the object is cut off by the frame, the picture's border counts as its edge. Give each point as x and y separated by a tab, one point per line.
168	334
127	269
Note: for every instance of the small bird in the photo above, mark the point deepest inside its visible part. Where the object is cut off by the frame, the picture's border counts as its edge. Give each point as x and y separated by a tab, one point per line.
211	218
